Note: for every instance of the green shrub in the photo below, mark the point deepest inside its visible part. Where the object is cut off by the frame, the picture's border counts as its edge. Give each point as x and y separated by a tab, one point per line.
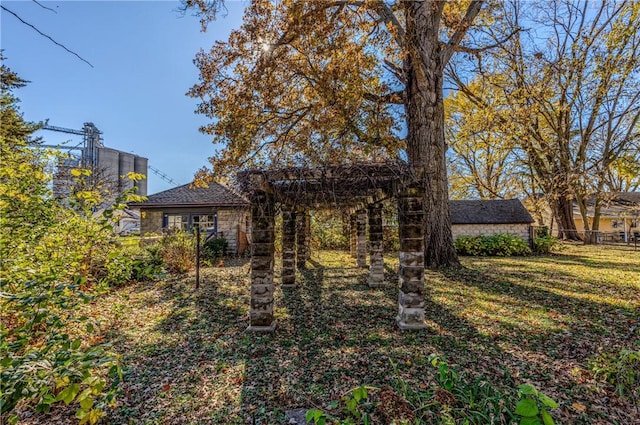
177	250
214	249
545	244
499	244
505	245
117	264
469	245
149	265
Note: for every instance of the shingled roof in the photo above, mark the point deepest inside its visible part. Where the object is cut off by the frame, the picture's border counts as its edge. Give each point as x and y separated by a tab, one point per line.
216	195
500	211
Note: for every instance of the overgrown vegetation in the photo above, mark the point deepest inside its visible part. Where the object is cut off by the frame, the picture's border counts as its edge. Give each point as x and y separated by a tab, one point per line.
499	244
545	244
214	249
621	370
329	230
177	251
500	322
56	255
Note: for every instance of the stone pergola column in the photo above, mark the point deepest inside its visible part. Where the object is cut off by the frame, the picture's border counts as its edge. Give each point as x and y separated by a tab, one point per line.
288	247
262	257
307	232
376	260
411	274
353	236
302	234
361	226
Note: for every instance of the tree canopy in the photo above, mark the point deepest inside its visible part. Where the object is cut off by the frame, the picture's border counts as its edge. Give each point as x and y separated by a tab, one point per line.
570	83
317	82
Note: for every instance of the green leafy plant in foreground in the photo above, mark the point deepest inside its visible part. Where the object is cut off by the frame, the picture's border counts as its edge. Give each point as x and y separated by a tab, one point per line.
533	406
622	370
456	399
356	408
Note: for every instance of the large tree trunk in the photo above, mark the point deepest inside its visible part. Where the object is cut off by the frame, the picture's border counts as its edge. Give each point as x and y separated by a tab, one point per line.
425	129
566	225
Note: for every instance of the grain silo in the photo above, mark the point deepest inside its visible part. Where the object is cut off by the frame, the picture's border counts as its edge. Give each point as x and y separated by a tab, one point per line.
126	166
141	167
107	173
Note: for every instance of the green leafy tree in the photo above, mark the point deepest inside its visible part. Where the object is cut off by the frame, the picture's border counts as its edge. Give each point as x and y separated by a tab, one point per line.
47	251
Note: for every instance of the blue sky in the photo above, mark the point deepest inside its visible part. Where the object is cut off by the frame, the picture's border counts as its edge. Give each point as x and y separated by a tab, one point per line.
142	55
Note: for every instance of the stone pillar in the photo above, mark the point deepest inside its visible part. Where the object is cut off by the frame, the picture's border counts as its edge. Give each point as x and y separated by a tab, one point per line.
361	226
353	236
411	273
262	253
302	225
376	260
288	247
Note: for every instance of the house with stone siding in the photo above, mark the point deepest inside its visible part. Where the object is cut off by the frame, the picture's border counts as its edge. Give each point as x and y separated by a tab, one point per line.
488	217
216	209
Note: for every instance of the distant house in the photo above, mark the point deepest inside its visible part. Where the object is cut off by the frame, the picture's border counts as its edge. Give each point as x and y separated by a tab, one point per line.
216	209
488	217
620	213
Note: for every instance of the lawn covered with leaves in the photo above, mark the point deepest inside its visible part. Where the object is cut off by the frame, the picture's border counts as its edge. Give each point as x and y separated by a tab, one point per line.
548	321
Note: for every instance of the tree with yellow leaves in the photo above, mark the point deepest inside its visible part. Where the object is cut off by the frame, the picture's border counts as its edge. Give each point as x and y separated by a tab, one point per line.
321	82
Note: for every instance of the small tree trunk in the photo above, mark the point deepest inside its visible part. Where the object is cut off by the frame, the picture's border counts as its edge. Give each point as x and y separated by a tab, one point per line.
589	236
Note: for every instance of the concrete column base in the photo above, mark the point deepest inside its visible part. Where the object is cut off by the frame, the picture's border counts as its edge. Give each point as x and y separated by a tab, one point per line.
263	329
410	326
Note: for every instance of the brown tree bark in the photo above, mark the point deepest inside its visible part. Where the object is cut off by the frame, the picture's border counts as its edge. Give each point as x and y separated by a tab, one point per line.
566	225
425	128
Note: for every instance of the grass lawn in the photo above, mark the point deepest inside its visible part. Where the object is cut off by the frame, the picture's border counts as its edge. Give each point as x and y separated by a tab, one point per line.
542	320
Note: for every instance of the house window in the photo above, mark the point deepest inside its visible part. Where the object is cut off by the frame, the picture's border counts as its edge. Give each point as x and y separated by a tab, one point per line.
205	221
177	221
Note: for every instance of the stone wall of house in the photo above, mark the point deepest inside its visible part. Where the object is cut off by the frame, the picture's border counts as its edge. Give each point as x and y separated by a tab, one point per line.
150	221
518	229
231	224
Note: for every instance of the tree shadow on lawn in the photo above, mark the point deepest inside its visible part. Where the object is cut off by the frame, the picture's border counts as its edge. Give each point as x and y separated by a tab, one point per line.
558	333
195	363
587	262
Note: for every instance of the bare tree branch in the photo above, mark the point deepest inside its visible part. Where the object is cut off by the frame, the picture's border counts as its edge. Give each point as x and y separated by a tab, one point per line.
478	50
456	38
389	18
46	36
397	98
